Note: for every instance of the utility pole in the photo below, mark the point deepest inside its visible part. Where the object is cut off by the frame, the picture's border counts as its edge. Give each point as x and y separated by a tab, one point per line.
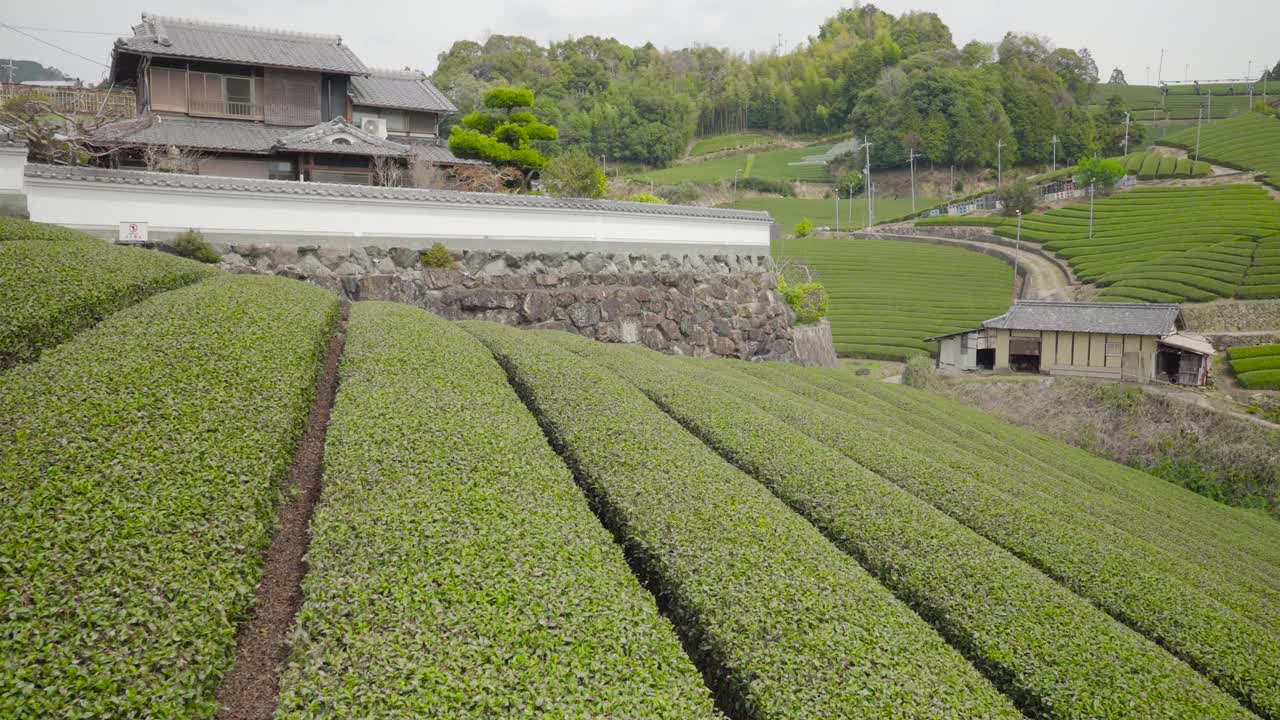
1160	70
1210	113
1091	182
11	67
1126	133
951	189
1017	252
1199	119
999	164
866	178
1055	142
911	158
851	206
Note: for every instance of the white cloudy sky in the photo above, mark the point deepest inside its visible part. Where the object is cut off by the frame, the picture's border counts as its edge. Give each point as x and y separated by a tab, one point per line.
1216	40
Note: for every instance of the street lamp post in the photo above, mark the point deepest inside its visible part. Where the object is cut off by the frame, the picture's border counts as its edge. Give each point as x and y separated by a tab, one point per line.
866	177
851	205
1055	142
1126	133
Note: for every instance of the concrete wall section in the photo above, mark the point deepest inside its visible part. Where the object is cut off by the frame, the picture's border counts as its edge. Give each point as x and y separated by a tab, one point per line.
285	213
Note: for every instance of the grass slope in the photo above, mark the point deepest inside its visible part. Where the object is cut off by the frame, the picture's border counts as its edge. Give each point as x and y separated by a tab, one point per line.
141	464
720	143
1250	141
788	212
772	164
55	282
887	296
455	570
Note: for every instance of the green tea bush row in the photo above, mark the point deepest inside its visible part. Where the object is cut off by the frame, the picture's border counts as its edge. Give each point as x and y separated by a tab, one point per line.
886	297
1270	362
141	464
781	621
1204	551
55	282
962	220
1051	651
455	569
1252	351
1122	575
1261	380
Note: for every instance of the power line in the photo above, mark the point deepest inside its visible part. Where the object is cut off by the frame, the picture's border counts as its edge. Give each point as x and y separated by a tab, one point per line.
61	30
55	47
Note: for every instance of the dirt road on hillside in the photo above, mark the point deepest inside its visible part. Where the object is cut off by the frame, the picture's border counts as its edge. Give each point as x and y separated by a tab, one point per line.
1044	278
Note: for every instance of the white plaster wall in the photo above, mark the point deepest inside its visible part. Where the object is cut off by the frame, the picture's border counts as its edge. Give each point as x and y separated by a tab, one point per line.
93	205
13	161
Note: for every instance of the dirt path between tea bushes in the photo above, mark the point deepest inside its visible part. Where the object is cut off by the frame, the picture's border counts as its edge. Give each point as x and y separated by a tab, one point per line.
249	690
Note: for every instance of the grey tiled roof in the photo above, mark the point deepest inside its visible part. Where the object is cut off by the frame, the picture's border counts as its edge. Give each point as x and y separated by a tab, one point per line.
318	138
287	187
1113	318
432	150
407	89
175	37
228	135
243	136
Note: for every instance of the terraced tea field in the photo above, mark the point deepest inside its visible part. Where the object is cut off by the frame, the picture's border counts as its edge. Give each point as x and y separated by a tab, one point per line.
1182	103
1257	367
1151	166
517	523
720	143
887	296
771	164
1249	142
1163	244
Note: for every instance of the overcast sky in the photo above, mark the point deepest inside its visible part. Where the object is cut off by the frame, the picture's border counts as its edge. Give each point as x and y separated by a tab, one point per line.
1217	40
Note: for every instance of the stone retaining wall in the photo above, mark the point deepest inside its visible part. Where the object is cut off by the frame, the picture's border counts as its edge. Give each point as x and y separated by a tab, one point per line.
720	305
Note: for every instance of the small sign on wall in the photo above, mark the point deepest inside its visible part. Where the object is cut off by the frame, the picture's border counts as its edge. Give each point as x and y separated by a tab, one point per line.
133	232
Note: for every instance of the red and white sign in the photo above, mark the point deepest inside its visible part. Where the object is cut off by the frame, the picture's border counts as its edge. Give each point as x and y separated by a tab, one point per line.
133	232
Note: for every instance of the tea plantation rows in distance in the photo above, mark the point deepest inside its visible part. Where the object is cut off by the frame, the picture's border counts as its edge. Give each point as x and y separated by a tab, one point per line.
1249	142
1162	244
767	540
888	296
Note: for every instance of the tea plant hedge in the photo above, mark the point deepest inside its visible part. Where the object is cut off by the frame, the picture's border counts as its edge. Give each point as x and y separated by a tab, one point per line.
141	464
1250	141
1257	367
886	296
1154	592
1167	244
55	282
455	569
781	622
1055	654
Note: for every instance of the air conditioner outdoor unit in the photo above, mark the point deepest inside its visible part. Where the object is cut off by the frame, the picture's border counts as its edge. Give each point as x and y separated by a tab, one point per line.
375	126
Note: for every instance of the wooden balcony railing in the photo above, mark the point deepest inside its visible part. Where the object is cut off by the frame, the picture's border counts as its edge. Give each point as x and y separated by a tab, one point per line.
77	101
225	109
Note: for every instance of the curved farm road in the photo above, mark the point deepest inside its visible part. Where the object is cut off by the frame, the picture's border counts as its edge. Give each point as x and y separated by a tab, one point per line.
1046	279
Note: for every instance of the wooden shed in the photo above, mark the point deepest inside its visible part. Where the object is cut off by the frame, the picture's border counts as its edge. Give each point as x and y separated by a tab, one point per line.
1135	342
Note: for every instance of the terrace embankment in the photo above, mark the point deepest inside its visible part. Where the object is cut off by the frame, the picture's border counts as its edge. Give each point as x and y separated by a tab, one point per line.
688	304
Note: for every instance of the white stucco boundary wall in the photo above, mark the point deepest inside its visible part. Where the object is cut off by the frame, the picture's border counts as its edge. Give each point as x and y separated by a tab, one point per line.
99	200
13	161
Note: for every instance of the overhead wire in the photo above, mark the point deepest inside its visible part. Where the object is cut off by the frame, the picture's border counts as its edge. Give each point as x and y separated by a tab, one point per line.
52	45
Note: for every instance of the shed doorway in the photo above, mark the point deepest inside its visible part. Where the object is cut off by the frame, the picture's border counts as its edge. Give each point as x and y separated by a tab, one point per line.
1024	354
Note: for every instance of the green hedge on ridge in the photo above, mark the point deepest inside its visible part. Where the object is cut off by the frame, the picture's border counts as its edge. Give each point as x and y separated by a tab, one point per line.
455	569
142	463
785	623
1087	557
1252	351
54	282
1052	651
